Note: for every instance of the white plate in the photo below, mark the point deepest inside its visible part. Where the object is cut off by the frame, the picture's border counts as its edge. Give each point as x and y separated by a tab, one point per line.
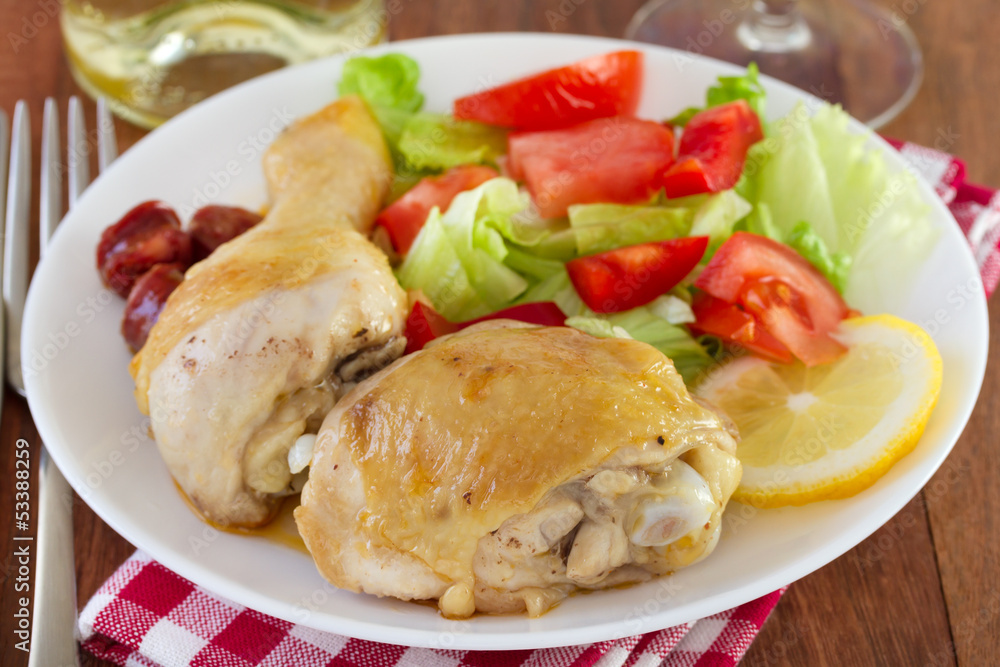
80	392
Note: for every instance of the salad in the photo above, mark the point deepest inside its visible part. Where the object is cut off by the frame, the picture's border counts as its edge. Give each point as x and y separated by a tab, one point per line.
716	235
567	197
573	200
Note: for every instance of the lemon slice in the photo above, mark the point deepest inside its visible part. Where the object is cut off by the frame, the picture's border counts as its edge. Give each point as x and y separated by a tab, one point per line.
830	431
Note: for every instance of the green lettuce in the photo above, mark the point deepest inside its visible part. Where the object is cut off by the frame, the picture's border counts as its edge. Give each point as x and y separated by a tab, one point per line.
675	307
557	288
728	89
600	227
388	81
388	84
458	259
440	141
392	122
597	326
814	168
717	217
646	324
759	222
835	266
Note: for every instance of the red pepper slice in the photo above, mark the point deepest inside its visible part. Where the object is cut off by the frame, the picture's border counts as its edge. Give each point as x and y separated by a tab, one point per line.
542	313
625	278
713	149
424	324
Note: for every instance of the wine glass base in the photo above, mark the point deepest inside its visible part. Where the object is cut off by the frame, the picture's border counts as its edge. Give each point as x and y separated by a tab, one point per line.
847	51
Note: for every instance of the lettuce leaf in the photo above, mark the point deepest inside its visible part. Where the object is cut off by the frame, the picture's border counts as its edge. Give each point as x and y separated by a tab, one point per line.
440	141
814	168
673	308
728	89
392	121
600	227
597	327
644	324
388	84
717	217
759	222
746	87
388	81
478	257
559	289
458	257
835	266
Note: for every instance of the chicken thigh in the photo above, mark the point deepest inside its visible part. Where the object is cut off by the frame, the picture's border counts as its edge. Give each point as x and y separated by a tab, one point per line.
507	465
251	348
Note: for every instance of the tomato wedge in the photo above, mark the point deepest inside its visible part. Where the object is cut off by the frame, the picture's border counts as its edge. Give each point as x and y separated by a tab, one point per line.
713	149
625	278
596	87
619	160
406	216
424	324
794	301
788	316
737	327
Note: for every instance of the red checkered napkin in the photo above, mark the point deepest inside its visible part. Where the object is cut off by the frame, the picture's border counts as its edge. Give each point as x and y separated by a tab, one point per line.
145	615
975	207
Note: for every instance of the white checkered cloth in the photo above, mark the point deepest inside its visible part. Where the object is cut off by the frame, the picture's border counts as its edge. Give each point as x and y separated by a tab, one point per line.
147	616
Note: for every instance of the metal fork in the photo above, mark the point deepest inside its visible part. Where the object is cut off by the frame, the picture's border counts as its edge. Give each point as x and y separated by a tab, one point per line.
52	638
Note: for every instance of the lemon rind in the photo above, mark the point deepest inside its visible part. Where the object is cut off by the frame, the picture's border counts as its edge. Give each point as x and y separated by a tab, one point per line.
849	471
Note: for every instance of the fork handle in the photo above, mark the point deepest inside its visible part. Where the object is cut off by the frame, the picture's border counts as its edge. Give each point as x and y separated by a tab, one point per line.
55	578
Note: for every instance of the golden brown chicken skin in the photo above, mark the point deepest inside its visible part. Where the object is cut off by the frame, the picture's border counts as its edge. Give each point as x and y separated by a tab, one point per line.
505	466
250	349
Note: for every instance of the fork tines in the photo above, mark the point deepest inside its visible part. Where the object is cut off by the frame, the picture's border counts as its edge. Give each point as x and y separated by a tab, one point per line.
15	262
16	230
52	639
50	202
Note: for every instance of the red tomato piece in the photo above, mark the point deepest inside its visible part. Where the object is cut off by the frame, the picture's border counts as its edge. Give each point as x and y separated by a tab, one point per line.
147	235
424	324
542	313
619	160
787	316
405	217
713	149
736	327
625	278
596	87
792	299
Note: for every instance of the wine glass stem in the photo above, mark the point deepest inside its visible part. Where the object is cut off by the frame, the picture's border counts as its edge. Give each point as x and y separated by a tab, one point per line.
774	26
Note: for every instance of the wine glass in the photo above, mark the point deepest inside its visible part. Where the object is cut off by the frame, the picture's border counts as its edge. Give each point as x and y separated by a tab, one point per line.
844	51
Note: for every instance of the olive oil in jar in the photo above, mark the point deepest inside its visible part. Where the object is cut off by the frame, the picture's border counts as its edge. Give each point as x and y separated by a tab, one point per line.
155	58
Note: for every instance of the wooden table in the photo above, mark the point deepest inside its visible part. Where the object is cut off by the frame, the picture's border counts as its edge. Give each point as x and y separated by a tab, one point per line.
923	589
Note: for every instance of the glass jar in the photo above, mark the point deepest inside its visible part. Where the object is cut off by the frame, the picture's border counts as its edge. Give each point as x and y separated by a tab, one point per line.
155	58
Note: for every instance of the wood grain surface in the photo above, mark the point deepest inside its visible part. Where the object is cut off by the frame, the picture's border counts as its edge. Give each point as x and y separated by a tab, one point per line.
923	590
